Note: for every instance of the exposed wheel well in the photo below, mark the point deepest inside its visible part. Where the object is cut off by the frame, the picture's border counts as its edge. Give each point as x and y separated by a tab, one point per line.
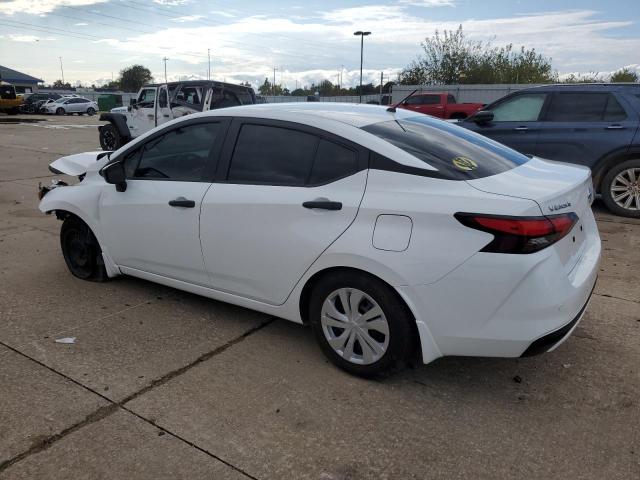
601	169
305	296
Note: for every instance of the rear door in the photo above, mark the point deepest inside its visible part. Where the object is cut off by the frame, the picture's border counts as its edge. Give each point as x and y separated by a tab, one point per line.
284	193
582	127
515	121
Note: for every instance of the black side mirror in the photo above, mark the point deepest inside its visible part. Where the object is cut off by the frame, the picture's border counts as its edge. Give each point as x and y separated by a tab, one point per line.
483	116
114	174
132	101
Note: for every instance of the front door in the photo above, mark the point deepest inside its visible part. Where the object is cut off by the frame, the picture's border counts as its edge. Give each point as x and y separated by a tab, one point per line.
583	127
515	122
143	113
153	226
285	194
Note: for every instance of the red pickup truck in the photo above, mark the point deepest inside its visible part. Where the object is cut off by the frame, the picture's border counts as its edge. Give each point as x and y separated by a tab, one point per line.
441	105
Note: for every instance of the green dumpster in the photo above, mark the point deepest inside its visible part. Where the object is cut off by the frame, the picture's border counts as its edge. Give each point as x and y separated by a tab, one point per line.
108	101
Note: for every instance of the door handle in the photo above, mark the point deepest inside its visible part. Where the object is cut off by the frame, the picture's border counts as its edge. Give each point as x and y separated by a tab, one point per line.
521	129
323	205
615	127
182	202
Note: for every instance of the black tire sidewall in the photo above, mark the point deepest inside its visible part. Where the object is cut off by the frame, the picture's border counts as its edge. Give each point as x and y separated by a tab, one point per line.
98	272
60	111
401	332
605	188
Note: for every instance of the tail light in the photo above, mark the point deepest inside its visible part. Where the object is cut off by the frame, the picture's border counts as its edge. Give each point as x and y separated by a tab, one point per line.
519	234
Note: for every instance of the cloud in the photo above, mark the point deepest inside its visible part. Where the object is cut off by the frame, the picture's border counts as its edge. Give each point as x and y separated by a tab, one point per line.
171	2
81	24
39	7
22	38
429	3
187	18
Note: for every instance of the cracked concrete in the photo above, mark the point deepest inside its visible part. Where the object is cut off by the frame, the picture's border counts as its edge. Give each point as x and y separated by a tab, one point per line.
165	384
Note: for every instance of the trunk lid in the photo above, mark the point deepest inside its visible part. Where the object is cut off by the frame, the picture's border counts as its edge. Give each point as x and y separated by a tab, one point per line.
557	188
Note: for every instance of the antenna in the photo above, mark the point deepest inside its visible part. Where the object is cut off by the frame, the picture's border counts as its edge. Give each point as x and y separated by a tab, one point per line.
392	108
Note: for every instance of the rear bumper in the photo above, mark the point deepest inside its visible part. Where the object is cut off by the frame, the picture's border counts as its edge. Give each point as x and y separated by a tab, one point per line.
497	305
551	340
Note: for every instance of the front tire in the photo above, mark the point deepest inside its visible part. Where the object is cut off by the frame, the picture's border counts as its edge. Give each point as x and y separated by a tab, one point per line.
60	111
621	189
110	138
361	324
81	250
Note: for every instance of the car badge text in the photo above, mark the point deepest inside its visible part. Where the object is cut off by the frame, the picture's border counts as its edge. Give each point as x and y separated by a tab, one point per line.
559	206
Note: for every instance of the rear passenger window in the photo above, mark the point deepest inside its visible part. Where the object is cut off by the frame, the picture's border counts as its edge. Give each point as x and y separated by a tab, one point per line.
578	107
332	162
272	156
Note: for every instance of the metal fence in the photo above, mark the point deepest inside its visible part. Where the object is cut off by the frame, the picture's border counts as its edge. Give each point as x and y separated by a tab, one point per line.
340	98
463	93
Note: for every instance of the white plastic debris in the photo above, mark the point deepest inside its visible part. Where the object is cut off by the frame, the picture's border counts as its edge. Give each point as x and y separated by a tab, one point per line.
66	340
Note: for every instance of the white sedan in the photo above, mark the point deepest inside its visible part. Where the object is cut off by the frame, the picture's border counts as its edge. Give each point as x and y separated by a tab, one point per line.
68	105
392	233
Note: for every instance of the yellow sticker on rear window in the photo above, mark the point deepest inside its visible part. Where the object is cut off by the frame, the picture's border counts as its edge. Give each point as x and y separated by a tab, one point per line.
464	163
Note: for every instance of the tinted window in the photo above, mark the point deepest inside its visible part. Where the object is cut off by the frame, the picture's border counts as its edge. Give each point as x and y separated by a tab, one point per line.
577	107
180	154
439	143
332	162
451	99
614	111
163	102
430	99
272	155
413	101
521	108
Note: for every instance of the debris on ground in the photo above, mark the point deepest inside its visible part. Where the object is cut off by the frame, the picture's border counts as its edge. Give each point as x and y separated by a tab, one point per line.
67	340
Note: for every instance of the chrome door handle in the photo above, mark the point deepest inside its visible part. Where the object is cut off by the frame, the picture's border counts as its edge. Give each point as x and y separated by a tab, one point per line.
615	127
521	129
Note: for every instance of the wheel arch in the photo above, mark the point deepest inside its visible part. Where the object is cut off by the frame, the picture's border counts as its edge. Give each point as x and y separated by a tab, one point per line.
307	289
603	165
119	121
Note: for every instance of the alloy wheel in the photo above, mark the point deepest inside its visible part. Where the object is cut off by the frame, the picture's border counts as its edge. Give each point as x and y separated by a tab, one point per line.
355	326
625	189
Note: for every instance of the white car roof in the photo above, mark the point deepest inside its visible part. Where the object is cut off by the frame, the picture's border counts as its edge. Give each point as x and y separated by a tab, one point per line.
356	115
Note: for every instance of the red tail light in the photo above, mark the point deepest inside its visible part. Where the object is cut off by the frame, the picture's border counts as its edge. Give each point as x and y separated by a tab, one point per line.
519	234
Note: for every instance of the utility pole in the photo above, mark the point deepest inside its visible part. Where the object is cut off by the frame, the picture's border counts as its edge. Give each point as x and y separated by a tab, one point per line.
61	70
362	35
381	80
341	70
209	70
164	59
273	87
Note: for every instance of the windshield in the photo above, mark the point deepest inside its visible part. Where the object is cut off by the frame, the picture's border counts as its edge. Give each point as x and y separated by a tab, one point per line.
457	153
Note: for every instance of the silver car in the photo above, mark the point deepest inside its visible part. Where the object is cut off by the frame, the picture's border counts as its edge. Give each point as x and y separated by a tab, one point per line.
69	105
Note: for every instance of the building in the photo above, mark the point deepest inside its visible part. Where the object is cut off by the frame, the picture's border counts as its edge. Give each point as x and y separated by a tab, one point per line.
24	83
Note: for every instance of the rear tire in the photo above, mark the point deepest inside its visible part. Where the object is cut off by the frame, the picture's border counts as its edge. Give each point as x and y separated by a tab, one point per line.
91	111
60	111
110	138
621	189
81	250
373	335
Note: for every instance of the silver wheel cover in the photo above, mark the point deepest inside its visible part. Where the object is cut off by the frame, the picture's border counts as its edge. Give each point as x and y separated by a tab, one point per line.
625	189
355	326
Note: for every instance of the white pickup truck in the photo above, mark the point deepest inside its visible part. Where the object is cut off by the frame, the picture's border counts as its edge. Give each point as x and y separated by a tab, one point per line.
158	103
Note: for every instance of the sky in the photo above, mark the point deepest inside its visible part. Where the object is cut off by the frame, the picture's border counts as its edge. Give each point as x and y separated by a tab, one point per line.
305	41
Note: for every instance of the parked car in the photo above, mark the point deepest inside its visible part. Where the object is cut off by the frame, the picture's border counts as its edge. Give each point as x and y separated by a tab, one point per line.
388	232
441	105
35	101
595	125
70	105
10	101
159	103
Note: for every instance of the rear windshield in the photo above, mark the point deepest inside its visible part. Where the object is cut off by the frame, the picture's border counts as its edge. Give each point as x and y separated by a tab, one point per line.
457	153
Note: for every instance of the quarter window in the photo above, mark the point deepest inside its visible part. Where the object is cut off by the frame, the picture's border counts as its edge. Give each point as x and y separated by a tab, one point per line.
272	155
521	108
332	162
180	154
585	107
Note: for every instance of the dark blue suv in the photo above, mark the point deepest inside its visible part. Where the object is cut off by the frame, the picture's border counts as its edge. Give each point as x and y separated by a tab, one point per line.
595	125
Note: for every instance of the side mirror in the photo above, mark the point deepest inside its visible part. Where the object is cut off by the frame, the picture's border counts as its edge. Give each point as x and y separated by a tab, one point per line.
114	174
483	116
132	101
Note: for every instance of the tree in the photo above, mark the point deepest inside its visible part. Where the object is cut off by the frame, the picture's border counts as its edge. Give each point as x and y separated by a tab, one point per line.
451	58
591	77
267	88
134	77
59	84
624	75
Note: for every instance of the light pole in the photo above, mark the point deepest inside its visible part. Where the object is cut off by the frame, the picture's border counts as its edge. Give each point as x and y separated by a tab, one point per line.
273	88
362	35
165	68
61	70
209	70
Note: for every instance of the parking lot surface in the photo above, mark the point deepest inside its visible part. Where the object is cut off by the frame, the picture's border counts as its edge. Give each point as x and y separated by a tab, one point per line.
165	384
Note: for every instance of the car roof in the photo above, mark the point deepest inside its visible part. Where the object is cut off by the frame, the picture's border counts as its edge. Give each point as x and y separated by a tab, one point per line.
315	113
582	87
200	83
